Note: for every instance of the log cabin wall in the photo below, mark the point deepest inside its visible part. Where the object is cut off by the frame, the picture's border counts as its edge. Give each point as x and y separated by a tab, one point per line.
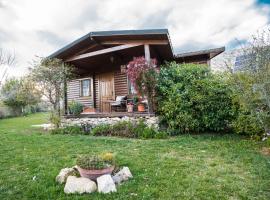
74	92
96	93
120	83
120	86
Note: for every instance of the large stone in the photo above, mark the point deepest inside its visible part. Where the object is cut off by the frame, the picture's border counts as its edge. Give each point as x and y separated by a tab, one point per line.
79	185
63	174
123	175
105	184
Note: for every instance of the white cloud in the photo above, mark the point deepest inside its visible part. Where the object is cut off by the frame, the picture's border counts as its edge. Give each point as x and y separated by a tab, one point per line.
39	27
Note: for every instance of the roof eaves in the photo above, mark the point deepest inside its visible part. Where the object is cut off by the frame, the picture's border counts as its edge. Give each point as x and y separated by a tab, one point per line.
88	35
129	32
207	51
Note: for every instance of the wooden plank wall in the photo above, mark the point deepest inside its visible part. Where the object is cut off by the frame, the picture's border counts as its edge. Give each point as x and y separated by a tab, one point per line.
120	84
96	90
73	94
73	90
120	87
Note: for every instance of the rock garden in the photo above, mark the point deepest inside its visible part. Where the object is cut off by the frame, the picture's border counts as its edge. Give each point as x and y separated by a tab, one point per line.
93	173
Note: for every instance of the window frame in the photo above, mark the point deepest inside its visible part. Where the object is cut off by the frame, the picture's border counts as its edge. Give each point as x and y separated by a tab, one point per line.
90	87
129	87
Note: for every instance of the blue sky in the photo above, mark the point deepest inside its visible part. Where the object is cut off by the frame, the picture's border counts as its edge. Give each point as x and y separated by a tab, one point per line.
263	1
39	27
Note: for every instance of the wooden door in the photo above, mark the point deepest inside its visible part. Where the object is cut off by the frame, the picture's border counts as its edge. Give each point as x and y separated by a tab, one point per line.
106	87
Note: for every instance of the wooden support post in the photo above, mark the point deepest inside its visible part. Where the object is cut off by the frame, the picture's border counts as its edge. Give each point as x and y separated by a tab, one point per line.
147	52
65	98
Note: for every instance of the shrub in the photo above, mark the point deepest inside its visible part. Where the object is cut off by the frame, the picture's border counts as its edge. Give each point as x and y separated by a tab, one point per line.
70	130
55	119
103	129
122	129
247	124
75	108
148	133
95	161
128	129
161	135
192	99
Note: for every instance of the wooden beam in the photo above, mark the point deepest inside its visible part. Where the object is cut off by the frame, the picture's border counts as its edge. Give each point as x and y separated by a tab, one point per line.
99	44
103	51
86	49
152	42
147	52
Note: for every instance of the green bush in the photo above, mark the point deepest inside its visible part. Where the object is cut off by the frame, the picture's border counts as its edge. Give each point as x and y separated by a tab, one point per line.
102	129
55	119
161	135
247	124
192	99
128	129
75	108
70	130
120	129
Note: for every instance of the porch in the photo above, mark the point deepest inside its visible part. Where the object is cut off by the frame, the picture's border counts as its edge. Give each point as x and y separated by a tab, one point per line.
103	86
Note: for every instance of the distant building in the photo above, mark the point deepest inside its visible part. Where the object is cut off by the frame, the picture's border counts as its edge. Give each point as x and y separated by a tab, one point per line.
235	59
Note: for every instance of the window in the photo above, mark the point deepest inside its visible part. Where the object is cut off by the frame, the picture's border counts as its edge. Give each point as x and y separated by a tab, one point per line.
131	89
85	88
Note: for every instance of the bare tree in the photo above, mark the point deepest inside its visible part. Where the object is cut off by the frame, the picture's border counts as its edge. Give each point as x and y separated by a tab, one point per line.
6	60
51	76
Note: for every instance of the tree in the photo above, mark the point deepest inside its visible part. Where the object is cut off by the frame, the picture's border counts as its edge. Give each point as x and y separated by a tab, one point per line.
143	76
51	76
252	82
6	60
18	93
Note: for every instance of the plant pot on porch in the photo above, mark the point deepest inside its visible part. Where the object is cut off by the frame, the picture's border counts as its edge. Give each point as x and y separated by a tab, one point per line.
130	108
141	107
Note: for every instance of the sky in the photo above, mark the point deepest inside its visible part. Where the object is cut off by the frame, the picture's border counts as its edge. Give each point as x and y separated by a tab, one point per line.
31	28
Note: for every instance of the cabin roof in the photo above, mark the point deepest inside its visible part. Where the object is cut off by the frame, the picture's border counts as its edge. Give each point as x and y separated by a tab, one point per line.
96	40
99	36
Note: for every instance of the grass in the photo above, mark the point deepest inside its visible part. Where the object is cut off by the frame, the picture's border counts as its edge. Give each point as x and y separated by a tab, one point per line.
184	167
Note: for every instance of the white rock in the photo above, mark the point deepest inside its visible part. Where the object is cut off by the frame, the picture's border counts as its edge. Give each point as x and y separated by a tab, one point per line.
63	174
105	184
79	185
123	175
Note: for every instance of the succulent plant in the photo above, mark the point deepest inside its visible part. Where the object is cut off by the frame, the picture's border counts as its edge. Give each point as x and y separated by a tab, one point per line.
96	161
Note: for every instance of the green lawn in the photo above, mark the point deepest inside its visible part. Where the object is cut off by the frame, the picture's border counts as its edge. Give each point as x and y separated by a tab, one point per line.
184	167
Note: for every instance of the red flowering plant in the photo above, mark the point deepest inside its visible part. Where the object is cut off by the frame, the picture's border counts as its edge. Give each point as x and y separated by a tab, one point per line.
143	76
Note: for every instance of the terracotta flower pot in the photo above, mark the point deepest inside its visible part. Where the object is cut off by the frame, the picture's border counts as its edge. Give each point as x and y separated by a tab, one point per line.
141	108
93	174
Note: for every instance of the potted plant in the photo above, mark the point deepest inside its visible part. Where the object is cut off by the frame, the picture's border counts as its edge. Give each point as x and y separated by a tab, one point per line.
143	76
141	107
93	166
130	107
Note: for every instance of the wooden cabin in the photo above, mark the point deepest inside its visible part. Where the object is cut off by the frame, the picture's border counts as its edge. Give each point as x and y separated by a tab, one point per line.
101	59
